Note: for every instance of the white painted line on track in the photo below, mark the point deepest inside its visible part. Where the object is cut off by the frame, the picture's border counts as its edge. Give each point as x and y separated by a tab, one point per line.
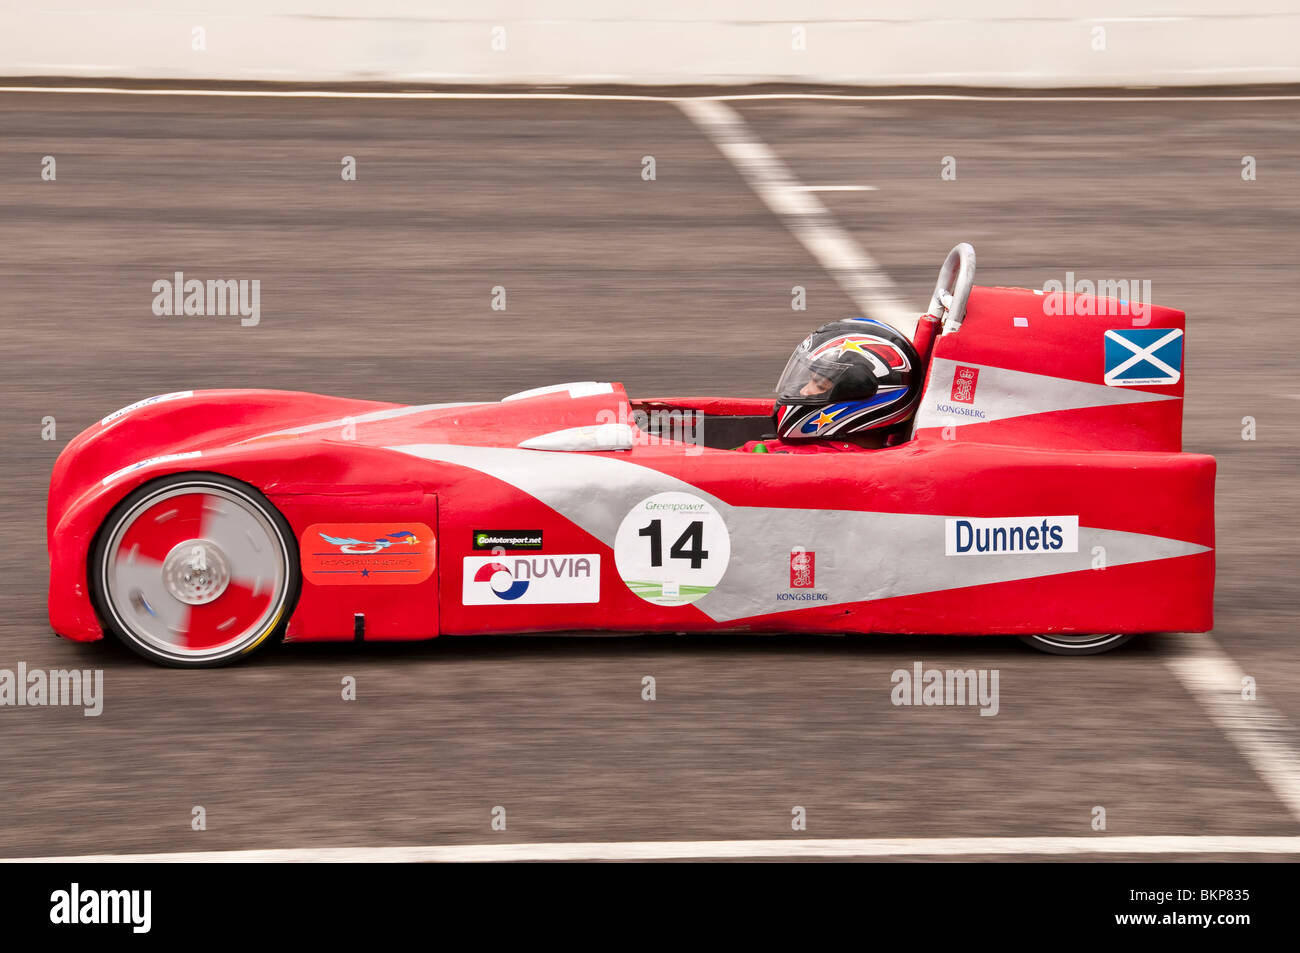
646	97
1262	736
687	850
835	188
859	275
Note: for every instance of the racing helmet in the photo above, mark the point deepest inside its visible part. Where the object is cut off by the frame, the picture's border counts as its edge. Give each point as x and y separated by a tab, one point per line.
847	377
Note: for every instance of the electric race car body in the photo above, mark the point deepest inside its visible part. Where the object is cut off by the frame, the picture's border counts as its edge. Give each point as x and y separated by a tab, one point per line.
1042	492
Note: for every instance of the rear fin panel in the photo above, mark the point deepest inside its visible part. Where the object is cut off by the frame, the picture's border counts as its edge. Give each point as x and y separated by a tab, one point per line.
1058	371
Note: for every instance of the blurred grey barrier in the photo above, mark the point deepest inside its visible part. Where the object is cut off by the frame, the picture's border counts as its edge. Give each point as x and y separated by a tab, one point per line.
1012	43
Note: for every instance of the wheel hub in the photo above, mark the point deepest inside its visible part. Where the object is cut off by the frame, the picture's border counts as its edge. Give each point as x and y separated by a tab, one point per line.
196	571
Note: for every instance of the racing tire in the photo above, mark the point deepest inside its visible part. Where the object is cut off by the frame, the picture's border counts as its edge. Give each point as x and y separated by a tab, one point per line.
194	570
1075	644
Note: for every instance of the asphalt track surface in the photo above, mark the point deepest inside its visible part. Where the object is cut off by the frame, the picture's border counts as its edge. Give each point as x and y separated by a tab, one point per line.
381	288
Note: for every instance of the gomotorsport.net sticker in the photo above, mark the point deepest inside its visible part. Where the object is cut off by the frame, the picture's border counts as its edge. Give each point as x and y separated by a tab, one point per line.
672	549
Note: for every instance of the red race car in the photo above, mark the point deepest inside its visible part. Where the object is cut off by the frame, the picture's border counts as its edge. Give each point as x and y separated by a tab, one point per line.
1035	486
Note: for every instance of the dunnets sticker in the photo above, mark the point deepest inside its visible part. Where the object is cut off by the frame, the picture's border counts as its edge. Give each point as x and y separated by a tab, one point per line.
977	536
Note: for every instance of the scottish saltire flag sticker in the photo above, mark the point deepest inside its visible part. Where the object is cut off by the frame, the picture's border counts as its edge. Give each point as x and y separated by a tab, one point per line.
1144	356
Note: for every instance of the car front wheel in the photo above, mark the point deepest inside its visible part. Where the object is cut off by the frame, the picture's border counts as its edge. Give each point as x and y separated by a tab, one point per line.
194	570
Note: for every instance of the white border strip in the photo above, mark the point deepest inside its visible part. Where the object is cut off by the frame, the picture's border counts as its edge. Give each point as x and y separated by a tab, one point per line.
690	850
644	97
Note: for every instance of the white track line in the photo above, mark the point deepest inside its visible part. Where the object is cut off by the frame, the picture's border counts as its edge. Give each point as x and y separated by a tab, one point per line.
836	188
644	98
684	850
1263	737
856	272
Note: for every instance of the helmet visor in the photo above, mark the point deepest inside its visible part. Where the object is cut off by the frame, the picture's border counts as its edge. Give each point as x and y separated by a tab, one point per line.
806	380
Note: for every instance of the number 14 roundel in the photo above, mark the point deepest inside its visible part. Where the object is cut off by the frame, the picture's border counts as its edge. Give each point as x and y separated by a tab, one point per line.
672	549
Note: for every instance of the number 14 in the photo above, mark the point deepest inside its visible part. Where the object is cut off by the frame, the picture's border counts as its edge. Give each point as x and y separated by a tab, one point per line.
692	537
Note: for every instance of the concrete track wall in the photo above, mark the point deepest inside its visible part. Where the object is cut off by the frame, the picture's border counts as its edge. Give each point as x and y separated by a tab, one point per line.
927	42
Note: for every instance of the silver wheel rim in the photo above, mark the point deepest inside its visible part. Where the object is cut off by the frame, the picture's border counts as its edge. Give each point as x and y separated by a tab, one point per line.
196	572
1078	641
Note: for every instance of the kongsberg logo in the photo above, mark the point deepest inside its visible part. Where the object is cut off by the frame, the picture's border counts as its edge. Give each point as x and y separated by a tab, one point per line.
504	585
803	569
964	380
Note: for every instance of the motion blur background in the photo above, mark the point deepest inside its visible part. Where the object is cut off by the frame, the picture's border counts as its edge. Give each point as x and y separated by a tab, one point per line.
381	287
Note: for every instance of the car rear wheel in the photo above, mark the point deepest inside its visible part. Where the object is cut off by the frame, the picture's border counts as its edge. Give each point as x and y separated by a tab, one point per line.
194	570
1075	644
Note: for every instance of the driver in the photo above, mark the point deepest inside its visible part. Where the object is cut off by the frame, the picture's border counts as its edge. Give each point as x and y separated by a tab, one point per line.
844	388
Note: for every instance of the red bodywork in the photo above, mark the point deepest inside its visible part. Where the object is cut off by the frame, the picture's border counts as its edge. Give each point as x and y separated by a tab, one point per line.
1016	421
